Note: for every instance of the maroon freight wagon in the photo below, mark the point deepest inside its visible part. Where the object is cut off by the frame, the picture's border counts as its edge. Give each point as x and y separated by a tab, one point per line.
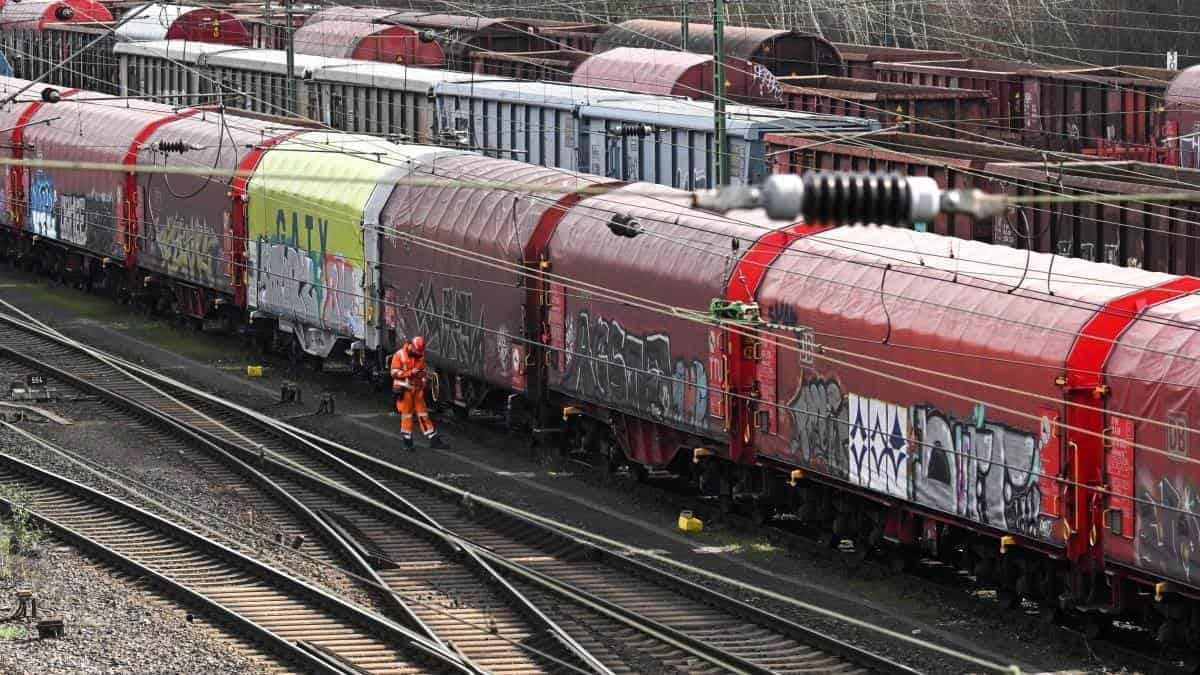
1054	108
1155	236
861	59
547	66
574	37
938	111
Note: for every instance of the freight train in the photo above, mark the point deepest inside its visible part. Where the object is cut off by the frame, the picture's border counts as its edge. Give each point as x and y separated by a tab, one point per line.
1120	112
661	139
1024	416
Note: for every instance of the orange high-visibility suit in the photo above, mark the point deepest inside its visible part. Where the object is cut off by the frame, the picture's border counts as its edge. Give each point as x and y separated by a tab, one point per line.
408	386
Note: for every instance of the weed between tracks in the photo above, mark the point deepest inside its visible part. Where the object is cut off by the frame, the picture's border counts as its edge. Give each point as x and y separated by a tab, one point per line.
21	540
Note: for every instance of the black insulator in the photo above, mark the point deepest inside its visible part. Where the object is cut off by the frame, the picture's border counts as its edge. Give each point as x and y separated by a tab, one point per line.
51	95
855	198
64	13
168	147
634	130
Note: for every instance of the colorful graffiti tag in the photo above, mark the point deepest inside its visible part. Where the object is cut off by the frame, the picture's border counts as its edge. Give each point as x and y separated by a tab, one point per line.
296	275
605	362
974	468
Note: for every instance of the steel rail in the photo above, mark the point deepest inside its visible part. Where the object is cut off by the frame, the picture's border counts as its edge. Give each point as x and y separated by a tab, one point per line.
104	524
220	451
516	527
250	446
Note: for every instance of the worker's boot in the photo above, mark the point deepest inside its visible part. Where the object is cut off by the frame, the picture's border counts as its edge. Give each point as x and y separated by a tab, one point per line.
408	444
437	443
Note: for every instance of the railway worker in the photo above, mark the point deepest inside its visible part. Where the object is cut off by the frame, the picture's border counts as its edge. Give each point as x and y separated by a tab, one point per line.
408	387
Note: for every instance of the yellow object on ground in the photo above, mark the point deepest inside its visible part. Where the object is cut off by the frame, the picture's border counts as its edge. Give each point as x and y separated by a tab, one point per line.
254	371
689	522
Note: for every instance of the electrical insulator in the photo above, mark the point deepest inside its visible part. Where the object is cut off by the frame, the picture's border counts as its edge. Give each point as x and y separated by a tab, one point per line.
837	198
176	147
51	95
64	13
631	130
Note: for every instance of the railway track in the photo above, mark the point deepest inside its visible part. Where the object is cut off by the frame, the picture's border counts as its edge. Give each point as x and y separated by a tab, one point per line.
551	600
302	626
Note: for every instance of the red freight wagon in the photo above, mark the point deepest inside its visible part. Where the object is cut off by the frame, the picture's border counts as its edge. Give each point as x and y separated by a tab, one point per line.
462	36
159	21
939	111
184	228
860	59
368	42
472	316
662	374
1133	233
894	313
783	52
664	72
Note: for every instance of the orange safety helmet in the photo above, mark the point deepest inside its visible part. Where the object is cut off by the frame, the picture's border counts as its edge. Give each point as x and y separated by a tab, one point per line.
418	344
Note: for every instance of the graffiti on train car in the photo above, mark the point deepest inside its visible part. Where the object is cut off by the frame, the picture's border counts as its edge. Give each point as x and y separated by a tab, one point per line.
1168	527
42	201
981	470
301	272
821	424
450	323
978	469
187	247
606	362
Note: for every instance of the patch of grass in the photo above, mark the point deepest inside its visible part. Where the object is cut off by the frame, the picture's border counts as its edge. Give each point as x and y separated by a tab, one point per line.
80	303
188	343
12	632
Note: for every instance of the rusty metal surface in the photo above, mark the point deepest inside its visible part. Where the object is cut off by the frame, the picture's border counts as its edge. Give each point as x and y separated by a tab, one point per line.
460	36
782	52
